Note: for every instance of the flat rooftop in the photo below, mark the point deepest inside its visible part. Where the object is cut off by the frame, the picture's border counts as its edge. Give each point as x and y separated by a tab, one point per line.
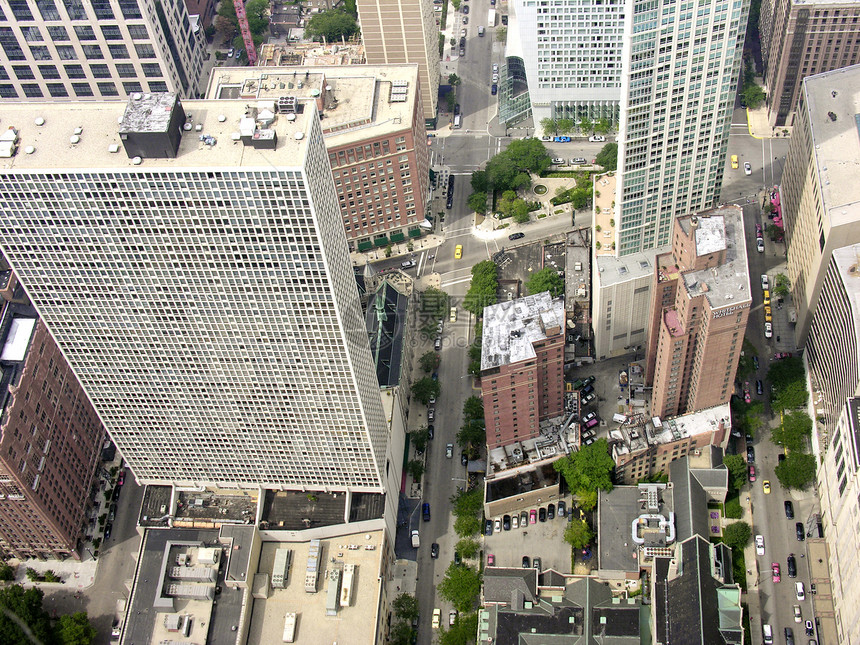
511	328
638	437
354	623
832	103
615	270
727	285
605	187
99	124
358	101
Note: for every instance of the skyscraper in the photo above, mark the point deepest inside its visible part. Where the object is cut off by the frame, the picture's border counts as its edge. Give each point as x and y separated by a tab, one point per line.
699	308
91	49
404	31
680	68
192	265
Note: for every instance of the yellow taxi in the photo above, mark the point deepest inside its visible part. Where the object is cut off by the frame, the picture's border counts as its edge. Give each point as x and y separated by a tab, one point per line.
458	251
766	297
735	162
452	315
767	314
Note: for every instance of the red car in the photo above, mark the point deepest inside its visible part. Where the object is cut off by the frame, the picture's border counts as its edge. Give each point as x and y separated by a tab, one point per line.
780	355
533	516
774	567
491	559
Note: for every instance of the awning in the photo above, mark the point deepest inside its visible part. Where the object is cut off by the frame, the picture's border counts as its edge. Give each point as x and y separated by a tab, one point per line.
380	241
365	245
398	236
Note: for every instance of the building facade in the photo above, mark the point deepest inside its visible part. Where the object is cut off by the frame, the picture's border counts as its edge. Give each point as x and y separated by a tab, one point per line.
204	293
373	124
404	31
96	49
522	361
571	53
800	39
680	67
820	194
699	310
50	440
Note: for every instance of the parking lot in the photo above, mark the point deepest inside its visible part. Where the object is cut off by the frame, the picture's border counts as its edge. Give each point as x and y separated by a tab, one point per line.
544	540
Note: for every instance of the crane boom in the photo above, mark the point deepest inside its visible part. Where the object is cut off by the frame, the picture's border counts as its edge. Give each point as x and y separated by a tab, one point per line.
242	17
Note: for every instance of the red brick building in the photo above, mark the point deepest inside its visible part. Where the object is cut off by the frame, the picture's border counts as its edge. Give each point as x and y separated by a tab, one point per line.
50	440
699	309
522	367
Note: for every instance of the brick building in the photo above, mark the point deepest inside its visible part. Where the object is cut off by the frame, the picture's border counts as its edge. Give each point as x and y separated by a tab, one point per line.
522	361
50	438
698	313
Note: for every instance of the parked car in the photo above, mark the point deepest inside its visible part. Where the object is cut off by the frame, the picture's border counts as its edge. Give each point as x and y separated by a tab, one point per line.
515	521
533	516
759	545
789	509
506	522
558	160
810	630
407	264
774	571
550	512
750	454
449	450
768	330
542	514
434	550
526	562
494	89
108	529
452	617
589	398
791	563
536	563
516	236
578	161
799	591
458	559
798	616
437	617
752	473
425	511
488	527
799	531
524	519
588	417
497	525
759	387
789	636
561	139
747	168
464	459
597	138
491	560
562	508
431	431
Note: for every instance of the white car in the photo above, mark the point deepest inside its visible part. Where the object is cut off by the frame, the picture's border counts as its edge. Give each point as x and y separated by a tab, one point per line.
768	330
495	68
597	138
437	617
495	78
449	450
764	282
747	168
759	243
515	521
452	617
546	138
558	161
799	591
798	617
759	545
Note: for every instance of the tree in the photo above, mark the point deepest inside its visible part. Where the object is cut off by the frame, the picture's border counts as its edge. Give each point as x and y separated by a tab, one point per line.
420	438
792	433
462	632
468	502
425	389
473	408
754	96
472	433
483	289
257	12
603	126
547	279
587	499
429	361
466	525
7	573
468	547
737	468
549	127
578	534
454	80
786	371
434	302
774	232
794	395
797	471
21	609
32	574
586	125
415	468
331	25
460	586
566	126
608	156
478	202
50	576
782	285
521	212
401	634
480	183
75	629
737	535
588	470
405	607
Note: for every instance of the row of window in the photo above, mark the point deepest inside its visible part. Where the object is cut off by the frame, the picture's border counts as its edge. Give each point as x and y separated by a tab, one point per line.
60	90
14	51
58	33
74	71
22	10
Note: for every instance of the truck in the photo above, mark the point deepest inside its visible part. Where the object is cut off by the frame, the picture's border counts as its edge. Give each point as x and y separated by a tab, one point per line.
491	18
416	542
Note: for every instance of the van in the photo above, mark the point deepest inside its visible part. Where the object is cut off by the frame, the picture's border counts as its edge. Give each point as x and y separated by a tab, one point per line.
457	121
767	632
592	423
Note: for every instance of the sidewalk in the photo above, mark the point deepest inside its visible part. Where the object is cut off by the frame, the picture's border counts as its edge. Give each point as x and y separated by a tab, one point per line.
760	128
398	250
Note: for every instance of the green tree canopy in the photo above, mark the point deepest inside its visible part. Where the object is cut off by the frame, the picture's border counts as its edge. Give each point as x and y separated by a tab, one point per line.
588	470
434	302
793	431
786	371
405	607
32	624
737	468
415	469
737	535
425	389
472	434
578	534
794	395
797	471
257	12
547	279
75	629
477	202
510	168
7	573
466	525
603	126
473	408
608	156
460	586
454	80
467	547
480	182
549	127
462	632
782	285
429	361
483	289
468	502
401	634
566	126
754	96
331	25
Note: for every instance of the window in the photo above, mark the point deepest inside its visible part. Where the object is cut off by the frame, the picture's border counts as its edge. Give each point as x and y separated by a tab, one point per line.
66	52
10	44
151	70
111	32
99	70
75	71
49	71
32	91
145	51
126	70
23	72
107	89
138	32
31	34
21	11
75	9
85	32
102	9
8	91
57	90
118	51
129	9
157	86
58	33
48	9
93	52
132	87
4	75
82	89
40	52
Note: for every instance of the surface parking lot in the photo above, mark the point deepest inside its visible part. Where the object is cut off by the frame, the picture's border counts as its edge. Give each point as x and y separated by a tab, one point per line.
544	540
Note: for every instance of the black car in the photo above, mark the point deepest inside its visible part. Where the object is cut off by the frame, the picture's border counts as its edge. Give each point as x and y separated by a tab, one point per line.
108	529
750	454
792	566
516	236
450	203
458	559
809	629
550	512
434	550
799	531
542	514
456	112
780	457
465	10
488	527
789	509
431	431
463	458
506	522
789	636
526	562
562	509
759	388
748	437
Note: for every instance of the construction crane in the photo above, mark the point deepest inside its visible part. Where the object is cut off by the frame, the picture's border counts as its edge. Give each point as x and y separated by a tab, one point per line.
250	50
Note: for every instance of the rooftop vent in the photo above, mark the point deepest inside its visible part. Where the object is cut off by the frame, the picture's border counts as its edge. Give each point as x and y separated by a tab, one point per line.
40	121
